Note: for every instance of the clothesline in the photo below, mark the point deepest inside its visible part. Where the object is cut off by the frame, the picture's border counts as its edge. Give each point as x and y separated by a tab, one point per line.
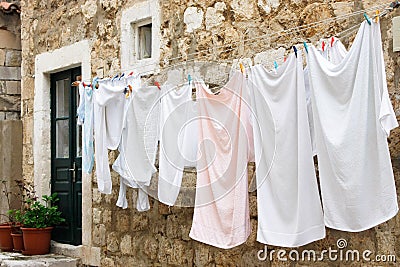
282	32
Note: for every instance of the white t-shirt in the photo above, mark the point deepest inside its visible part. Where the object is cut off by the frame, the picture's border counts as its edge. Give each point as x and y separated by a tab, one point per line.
289	207
178	139
353	117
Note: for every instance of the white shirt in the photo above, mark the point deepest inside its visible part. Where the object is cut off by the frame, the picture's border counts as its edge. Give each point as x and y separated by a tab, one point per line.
178	139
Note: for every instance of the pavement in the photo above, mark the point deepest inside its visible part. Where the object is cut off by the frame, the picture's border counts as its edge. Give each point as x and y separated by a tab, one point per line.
12	259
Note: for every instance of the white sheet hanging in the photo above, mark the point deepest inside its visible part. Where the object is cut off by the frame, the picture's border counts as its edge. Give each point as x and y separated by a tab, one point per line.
353	117
289	207
178	139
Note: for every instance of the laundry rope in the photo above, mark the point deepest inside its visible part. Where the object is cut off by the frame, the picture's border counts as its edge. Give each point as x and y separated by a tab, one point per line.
281	32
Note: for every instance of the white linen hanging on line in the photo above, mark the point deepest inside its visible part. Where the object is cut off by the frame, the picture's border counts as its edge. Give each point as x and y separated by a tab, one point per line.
353	117
178	139
138	149
109	108
289	207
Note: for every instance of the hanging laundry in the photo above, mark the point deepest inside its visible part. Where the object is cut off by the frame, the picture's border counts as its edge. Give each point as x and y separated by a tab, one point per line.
178	140
138	149
85	118
109	109
221	214
289	207
335	53
353	117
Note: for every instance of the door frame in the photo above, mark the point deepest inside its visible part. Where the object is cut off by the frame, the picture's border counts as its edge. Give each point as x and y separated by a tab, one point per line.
75	55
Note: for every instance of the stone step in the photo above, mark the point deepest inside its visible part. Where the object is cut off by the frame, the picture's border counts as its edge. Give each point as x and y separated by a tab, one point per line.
8	259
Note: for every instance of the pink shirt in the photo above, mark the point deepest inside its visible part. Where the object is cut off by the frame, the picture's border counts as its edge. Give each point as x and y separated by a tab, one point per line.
221	215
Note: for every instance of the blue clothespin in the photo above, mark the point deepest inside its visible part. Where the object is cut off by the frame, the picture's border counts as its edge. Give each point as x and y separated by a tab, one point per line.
295	50
122	75
367	18
275	65
115	77
305	46
189	78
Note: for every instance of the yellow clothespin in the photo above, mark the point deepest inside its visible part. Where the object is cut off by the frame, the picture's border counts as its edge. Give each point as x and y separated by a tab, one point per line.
377	13
241	67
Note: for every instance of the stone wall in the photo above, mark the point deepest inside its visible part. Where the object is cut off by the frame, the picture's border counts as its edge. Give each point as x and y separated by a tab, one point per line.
10	66
159	237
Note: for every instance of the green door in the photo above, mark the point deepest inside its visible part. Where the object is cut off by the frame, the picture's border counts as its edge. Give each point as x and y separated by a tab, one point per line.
66	155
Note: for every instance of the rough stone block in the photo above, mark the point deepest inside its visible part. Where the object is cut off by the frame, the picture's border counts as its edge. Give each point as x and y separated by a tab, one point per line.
99	235
2	57
13	58
126	244
2	87
9	40
10	73
112	242
12	116
10	103
13	87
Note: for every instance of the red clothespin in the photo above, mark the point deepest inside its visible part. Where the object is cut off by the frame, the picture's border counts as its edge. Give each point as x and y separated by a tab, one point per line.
284	59
130	74
158	85
332	41
323	46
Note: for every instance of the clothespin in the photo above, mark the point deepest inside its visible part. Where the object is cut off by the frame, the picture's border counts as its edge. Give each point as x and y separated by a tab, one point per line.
158	85
95	83
305	46
284	59
241	67
115	77
275	65
377	13
130	74
189	78
367	18
323	46
295	50
332	41
122	75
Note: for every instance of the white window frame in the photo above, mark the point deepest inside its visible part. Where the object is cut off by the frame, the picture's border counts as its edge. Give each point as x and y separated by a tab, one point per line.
134	17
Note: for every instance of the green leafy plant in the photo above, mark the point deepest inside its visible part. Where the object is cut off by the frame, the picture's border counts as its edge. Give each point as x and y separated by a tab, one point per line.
39	214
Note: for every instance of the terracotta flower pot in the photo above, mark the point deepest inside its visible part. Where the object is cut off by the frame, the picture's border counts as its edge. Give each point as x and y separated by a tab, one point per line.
18	242
6	243
36	240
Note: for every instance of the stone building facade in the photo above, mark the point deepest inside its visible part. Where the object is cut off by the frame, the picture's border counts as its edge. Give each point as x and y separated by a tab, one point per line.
99	36
10	99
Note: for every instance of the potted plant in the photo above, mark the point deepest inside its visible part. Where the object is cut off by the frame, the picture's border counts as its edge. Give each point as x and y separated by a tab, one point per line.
16	232
6	243
38	220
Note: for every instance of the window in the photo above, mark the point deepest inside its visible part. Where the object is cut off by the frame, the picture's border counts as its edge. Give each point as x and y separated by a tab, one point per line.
144	41
140	37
